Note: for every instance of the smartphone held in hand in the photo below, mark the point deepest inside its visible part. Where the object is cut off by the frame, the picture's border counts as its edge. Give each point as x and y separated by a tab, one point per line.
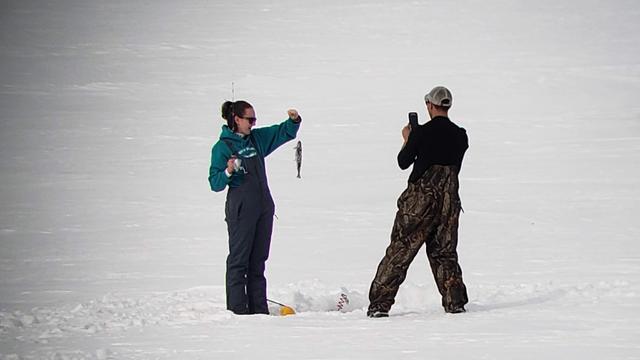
413	120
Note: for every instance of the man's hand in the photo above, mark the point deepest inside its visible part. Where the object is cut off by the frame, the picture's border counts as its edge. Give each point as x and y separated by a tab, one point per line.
293	114
405	132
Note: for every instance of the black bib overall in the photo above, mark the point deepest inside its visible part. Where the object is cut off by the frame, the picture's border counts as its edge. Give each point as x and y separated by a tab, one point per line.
249	214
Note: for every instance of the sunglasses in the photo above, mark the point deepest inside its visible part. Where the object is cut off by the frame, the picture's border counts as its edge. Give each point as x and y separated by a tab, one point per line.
252	120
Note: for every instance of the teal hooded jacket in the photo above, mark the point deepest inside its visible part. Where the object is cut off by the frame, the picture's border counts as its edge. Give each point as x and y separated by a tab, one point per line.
265	141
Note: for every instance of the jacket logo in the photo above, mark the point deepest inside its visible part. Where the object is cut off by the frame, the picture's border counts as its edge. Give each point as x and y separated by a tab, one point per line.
248	152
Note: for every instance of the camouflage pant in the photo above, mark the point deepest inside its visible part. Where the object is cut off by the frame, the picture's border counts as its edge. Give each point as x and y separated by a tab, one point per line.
428	212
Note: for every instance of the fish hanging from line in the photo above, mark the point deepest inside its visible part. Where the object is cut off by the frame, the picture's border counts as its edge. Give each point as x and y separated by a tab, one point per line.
298	149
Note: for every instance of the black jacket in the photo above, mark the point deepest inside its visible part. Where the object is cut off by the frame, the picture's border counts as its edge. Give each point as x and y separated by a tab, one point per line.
438	142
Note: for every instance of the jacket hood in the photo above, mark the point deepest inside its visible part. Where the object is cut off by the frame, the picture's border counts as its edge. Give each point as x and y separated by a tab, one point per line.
240	145
228	134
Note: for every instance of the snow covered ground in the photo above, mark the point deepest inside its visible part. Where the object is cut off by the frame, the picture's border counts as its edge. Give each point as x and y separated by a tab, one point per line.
113	247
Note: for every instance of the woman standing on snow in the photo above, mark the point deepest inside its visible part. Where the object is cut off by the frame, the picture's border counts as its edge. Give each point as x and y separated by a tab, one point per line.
237	161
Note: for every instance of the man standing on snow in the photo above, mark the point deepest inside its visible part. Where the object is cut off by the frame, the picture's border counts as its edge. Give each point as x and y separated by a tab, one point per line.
428	209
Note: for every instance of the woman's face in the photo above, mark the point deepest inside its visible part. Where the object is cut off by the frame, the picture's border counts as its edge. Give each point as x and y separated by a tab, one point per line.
246	121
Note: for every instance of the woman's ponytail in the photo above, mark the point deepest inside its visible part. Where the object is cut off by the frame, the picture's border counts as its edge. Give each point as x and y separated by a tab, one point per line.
227	114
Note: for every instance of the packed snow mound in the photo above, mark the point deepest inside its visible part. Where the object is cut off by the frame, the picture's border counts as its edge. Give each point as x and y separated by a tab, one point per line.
314	296
115	313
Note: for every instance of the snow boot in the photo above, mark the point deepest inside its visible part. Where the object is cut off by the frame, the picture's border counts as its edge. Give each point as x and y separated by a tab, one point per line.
455	309
377	314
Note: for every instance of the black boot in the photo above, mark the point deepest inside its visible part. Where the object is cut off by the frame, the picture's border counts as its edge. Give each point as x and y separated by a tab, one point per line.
455	309
373	313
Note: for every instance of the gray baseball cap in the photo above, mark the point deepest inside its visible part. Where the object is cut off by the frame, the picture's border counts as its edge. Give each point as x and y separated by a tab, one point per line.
440	96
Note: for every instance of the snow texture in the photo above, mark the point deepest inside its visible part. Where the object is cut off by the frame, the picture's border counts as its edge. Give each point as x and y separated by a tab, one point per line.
112	246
